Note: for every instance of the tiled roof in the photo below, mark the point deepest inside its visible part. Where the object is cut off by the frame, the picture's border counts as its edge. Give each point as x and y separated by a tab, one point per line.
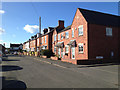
15	45
100	18
67	28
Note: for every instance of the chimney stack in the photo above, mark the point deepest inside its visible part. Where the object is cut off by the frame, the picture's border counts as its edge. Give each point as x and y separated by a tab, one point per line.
61	23
45	30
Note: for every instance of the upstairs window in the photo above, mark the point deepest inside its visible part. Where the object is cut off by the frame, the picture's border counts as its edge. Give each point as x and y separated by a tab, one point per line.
45	39
80	47
62	36
66	34
42	40
80	30
108	31
58	36
55	37
72	32
38	41
54	49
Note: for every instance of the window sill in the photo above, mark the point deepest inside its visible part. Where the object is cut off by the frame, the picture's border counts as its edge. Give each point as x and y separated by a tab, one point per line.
81	52
109	35
80	35
66	38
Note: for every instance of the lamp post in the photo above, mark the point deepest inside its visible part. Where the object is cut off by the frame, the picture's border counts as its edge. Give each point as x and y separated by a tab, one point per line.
39	35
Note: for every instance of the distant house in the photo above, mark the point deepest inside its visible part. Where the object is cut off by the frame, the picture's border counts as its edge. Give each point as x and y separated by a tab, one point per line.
2	49
26	46
15	47
33	43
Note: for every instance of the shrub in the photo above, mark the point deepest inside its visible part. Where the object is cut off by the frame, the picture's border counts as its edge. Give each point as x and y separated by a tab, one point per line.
47	53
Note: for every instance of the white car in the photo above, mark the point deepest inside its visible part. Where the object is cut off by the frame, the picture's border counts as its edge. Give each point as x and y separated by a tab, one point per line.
15	53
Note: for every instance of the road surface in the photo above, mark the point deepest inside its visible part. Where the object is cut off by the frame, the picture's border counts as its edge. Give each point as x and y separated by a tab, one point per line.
32	72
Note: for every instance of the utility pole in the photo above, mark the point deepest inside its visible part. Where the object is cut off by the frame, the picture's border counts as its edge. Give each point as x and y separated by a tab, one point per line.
39	35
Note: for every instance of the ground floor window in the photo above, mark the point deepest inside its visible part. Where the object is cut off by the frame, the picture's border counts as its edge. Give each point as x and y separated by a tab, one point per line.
80	47
73	52
54	49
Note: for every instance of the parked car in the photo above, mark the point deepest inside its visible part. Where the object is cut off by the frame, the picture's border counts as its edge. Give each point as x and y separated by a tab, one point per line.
0	57
0	53
0	60
15	53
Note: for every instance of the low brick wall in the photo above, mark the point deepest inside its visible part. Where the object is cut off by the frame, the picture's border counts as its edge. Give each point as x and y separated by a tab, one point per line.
44	56
24	53
36	54
54	58
73	61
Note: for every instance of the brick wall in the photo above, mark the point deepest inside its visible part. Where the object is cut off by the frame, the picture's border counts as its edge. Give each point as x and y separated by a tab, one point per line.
33	44
100	44
77	21
23	46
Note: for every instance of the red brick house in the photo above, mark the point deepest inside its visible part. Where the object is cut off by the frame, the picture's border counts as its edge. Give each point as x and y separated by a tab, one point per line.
33	43
24	46
92	35
46	38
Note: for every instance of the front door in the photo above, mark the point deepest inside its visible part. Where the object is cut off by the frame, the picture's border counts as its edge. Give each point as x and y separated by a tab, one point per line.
73	52
59	52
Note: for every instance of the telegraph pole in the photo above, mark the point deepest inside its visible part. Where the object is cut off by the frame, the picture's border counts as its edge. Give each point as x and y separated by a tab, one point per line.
39	35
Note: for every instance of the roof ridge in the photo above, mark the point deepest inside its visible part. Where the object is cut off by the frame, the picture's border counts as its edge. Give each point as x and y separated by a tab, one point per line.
99	12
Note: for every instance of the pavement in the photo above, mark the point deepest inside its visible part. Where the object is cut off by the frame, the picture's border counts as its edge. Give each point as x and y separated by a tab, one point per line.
34	72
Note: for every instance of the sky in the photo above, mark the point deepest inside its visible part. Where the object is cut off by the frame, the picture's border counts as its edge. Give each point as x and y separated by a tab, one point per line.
20	20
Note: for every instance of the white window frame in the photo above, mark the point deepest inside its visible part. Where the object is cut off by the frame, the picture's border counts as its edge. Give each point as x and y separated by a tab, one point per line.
58	36
42	39
55	37
62	36
80	30
108	31
38	41
45	39
79	45
72	32
66	36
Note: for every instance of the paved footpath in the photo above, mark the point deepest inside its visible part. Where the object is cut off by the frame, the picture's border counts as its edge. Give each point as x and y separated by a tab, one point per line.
35	72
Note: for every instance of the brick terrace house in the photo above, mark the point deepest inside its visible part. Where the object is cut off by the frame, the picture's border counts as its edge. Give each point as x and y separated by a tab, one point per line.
55	35
26	47
46	38
92	35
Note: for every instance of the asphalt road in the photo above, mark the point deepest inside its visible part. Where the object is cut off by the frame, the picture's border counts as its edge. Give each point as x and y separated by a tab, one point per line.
31	72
